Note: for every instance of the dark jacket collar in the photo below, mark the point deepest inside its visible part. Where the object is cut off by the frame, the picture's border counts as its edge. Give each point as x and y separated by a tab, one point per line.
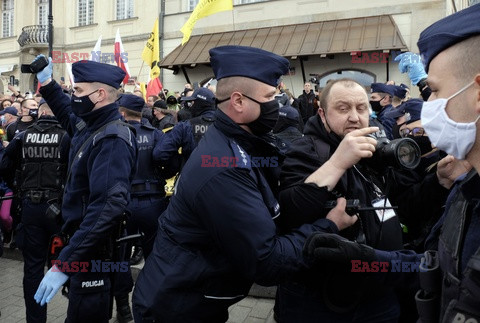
97	118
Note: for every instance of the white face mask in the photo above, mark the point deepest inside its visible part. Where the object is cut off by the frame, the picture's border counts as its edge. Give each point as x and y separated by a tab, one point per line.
452	137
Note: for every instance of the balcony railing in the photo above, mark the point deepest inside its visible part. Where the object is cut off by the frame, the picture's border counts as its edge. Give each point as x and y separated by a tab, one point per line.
32	35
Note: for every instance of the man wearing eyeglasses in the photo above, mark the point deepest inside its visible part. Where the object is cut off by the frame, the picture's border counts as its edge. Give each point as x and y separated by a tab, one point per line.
450	284
408	121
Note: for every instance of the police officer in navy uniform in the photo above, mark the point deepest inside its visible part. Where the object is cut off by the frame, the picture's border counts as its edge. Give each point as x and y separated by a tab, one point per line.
381	103
39	156
147	194
101	166
217	235
148	186
187	134
450	285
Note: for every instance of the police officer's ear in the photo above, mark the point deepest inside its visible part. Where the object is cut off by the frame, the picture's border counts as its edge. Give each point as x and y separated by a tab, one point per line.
387	99
477	89
237	101
102	95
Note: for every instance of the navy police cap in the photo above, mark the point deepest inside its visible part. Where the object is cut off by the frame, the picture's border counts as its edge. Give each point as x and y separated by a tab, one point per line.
413	107
250	62
91	71
131	102
9	110
382	88
399	91
288	112
447	32
42	101
201	93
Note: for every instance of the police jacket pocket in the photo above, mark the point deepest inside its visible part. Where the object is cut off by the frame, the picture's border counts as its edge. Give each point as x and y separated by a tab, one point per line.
226	287
193	282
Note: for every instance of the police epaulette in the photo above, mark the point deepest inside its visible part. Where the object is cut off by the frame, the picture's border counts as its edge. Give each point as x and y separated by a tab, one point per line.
117	129
241	156
80	125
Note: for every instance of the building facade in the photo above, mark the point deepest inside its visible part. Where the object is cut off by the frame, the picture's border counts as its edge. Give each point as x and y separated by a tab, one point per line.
323	39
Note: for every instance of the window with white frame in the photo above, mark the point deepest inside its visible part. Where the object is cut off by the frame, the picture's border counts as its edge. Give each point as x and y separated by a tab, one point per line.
192	4
124	9
85	12
7	18
42	12
246	1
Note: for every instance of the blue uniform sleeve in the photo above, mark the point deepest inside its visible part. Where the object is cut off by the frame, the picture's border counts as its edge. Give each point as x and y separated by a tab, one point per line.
59	102
403	268
243	229
387	122
180	136
111	164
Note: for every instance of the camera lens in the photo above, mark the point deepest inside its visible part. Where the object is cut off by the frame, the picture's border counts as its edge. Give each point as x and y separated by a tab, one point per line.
408	153
403	153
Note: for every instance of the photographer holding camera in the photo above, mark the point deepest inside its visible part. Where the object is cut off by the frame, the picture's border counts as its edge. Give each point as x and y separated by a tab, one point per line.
333	160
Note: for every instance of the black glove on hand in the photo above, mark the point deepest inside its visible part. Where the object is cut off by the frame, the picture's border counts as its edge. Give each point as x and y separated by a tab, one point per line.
329	247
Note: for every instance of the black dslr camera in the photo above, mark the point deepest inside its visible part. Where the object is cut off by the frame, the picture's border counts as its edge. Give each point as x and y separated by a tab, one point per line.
398	153
36	66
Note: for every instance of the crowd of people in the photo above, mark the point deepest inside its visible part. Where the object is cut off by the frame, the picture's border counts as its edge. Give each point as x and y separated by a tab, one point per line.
359	206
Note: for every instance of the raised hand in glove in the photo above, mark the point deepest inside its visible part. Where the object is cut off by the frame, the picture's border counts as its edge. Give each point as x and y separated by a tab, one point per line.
45	74
328	247
49	286
411	63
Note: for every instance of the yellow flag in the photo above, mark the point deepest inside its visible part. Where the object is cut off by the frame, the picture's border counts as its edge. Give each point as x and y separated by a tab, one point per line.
151	52
204	8
143	89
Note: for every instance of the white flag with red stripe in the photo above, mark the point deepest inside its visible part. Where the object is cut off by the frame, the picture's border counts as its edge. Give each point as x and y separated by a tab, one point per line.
121	57
97	51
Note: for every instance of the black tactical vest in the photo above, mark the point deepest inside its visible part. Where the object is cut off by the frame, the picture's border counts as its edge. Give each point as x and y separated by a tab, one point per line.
146	180
200	126
460	300
41	168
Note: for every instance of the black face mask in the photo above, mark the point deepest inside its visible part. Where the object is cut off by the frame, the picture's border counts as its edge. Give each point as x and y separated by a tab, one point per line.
267	119
396	130
376	105
81	105
423	142
33	113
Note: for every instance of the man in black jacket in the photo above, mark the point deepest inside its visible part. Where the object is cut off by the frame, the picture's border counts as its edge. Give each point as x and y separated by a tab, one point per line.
306	102
328	162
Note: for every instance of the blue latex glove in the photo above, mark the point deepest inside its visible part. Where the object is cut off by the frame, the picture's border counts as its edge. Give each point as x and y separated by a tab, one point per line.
411	63
46	73
49	286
